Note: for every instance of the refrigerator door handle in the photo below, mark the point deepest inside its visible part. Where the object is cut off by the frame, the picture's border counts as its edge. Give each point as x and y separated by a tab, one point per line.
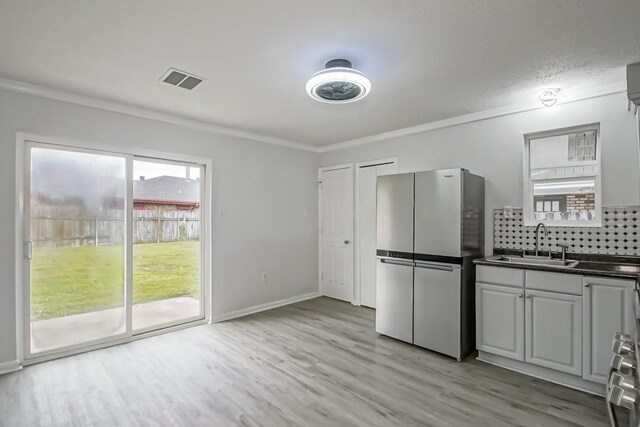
397	262
442	267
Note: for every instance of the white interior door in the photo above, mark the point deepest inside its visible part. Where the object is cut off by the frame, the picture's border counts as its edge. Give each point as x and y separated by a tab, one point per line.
366	227
336	233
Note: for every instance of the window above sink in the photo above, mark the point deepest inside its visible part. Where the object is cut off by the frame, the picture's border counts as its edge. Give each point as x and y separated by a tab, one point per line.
562	177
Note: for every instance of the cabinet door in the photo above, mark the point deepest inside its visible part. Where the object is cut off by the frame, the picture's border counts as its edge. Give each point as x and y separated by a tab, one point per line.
608	308
554	331
500	320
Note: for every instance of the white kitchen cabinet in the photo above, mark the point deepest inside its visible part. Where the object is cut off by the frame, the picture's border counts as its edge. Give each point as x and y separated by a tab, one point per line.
561	329
500	320
554	330
608	308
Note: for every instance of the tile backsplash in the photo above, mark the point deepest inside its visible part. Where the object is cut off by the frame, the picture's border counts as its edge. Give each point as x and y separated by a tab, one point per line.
619	234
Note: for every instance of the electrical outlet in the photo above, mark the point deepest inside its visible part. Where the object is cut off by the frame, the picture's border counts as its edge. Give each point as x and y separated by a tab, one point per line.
306	213
265	277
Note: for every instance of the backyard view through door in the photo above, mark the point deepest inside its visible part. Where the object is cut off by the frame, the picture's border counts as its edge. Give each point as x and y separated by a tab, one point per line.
113	246
166	244
77	233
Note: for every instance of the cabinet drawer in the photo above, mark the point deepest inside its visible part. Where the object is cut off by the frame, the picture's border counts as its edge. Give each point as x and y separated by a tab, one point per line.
554	282
609	281
500	276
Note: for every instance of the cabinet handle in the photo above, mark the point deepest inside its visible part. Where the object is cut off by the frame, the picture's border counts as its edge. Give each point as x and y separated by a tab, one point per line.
528	296
586	285
520	296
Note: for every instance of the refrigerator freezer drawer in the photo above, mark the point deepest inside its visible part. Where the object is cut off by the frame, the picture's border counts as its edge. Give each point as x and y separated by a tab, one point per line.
394	299
437	320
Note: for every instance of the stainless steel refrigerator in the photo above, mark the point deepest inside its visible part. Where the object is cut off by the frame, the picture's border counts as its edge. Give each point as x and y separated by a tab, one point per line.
430	228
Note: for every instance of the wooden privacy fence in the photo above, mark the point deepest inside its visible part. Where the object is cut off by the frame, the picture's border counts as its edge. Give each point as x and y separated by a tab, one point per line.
156	226
149	226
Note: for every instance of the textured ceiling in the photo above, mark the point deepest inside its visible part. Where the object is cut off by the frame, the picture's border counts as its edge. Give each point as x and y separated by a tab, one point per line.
428	60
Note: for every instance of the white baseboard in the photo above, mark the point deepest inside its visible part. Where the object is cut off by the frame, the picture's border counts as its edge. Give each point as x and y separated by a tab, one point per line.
546	374
262	307
11	366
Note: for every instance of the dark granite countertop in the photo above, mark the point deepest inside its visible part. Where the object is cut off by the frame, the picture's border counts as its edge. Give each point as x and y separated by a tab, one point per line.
588	265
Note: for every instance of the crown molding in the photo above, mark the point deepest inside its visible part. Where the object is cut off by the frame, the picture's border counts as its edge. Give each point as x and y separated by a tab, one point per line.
597	92
150	114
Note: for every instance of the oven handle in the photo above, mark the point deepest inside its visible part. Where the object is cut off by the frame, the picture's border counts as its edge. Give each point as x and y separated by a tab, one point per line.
611	410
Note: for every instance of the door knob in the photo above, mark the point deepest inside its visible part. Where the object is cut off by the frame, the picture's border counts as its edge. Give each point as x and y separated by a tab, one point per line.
346	242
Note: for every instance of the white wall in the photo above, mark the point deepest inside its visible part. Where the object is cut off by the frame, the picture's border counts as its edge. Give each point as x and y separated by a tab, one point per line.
262	189
493	148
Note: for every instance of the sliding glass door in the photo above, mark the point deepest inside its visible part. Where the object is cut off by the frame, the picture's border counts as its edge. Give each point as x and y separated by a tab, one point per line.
166	244
108	255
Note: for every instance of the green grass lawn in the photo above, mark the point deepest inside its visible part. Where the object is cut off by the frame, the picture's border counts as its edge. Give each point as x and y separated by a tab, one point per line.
69	281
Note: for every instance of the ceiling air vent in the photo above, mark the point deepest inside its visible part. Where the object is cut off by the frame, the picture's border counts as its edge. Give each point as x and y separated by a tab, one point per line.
181	79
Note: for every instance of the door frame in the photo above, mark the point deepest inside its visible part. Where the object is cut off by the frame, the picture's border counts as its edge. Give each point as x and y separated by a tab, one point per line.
357	291
320	172
22	333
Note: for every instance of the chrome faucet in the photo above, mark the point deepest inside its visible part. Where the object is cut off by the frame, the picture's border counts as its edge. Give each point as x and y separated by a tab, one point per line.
546	232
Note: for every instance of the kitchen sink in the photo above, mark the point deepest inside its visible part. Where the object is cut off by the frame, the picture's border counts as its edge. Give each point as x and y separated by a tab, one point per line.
532	260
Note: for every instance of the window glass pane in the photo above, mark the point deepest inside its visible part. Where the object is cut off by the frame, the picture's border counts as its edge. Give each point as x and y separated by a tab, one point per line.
563	173
166	249
572	200
77	229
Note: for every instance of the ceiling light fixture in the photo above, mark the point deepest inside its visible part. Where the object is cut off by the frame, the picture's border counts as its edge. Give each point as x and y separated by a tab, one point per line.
549	97
338	83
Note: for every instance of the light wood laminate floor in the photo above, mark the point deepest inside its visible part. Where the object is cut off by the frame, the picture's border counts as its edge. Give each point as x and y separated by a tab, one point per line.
315	363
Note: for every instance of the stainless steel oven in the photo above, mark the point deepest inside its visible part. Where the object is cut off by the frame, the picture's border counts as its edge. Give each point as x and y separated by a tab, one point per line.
624	380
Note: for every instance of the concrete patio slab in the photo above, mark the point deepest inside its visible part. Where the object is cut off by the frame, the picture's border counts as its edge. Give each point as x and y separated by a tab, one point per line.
78	328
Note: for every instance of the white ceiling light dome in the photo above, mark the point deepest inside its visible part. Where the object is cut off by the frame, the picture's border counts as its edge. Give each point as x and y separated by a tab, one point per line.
549	97
338	83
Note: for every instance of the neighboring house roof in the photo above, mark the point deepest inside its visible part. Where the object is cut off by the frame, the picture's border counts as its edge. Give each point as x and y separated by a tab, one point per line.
167	189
